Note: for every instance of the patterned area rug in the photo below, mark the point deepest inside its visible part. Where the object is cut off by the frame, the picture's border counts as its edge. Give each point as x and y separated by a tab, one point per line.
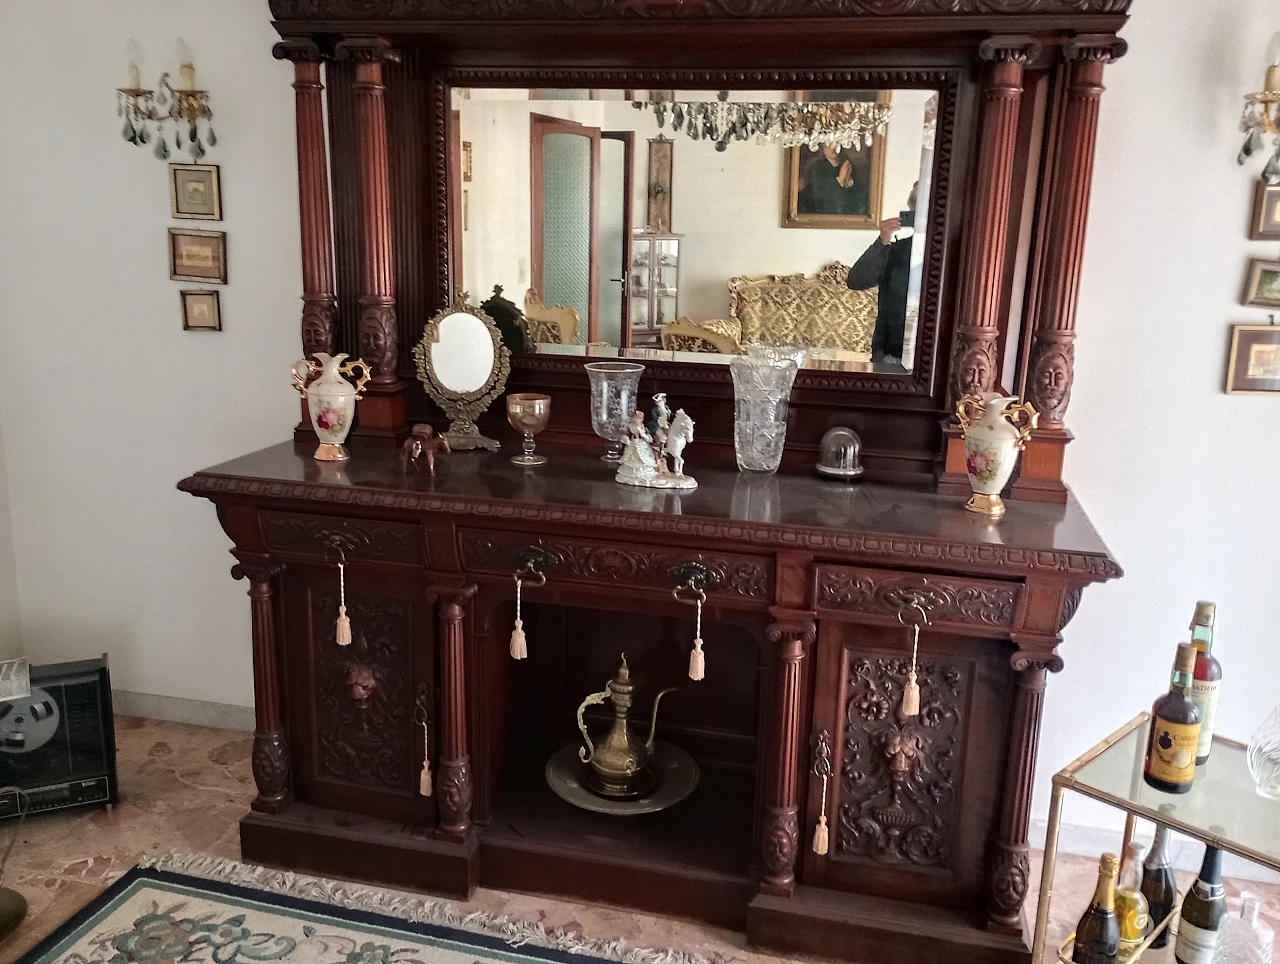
183	908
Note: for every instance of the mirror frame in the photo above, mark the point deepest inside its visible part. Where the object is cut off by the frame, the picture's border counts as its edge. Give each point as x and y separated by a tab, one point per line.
934	331
463	408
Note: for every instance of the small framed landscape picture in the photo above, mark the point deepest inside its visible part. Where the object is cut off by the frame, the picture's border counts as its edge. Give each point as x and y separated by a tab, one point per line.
195	192
1265	225
198	255
201	310
1262	290
1254	365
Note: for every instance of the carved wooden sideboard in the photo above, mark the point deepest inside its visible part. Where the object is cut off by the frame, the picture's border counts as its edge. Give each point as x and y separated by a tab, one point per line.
805	655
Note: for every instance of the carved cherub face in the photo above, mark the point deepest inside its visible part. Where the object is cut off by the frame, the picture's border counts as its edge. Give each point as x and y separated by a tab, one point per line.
361	682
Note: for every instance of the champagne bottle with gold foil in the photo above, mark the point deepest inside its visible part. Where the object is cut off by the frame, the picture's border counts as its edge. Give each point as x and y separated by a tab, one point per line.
1204	907
1131	905
1207	678
1098	933
1175	730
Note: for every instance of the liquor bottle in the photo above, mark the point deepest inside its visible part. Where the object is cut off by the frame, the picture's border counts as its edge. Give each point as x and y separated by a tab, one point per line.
1203	909
1131	905
1158	885
1245	939
1098	933
1207	678
1175	730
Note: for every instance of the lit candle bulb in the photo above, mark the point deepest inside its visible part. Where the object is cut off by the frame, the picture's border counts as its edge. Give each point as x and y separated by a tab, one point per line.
185	66
1273	58
135	76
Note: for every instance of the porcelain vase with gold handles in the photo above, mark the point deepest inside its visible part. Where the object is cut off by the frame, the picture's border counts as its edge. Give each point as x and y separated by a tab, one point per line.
331	399
995	431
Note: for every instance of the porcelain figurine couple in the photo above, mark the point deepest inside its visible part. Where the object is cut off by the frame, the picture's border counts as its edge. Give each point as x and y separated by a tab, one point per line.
644	461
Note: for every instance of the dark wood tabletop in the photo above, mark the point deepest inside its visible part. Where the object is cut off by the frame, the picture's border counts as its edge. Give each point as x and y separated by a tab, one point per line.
797	511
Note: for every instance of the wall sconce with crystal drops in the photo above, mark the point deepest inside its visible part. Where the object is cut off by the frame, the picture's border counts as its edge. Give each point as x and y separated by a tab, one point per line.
167	113
1261	117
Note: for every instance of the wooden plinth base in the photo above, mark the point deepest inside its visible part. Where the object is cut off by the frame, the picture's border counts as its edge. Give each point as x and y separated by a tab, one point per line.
304	431
341	845
1041	476
824	923
953	480
380	417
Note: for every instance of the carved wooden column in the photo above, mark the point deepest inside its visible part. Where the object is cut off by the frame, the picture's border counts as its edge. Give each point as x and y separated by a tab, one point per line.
1051	363
975	356
319	304
381	413
453	785
270	744
792	632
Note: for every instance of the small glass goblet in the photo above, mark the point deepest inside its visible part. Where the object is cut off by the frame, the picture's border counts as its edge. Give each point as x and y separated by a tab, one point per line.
613	402
528	414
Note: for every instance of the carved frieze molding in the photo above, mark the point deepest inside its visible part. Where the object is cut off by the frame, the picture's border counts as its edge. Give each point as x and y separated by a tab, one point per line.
948	601
569	10
933	553
358	539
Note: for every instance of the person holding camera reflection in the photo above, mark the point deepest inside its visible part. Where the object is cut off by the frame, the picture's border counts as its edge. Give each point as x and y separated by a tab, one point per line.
886	265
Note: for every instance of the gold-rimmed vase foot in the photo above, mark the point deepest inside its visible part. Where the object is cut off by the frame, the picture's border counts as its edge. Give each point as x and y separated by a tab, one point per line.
331	452
992	506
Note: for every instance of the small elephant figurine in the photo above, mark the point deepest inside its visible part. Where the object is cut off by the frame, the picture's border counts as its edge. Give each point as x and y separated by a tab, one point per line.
423	441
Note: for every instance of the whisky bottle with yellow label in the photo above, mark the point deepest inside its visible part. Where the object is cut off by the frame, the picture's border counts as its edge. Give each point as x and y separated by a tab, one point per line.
1175	730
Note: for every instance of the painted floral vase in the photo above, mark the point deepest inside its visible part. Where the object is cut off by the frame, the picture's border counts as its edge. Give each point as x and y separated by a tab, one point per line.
331	399
995	431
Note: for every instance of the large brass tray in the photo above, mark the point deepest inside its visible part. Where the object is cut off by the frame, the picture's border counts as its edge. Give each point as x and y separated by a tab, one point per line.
675	771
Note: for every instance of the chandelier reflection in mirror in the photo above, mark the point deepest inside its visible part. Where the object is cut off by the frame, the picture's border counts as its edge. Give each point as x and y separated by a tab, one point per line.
1261	117
811	124
150	115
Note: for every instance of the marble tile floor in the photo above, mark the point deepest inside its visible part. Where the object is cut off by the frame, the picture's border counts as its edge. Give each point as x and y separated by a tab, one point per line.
186	787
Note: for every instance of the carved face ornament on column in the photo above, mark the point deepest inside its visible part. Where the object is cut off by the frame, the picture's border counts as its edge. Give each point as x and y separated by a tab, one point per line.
317	328
1053	383
974	374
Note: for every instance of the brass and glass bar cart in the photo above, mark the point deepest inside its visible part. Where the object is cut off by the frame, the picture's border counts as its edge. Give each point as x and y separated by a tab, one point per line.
1222	807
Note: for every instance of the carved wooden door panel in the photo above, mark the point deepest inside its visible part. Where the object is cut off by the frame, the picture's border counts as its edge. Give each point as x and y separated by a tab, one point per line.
911	802
356	745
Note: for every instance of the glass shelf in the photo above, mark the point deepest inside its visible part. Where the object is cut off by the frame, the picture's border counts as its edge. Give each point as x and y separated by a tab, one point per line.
1222	808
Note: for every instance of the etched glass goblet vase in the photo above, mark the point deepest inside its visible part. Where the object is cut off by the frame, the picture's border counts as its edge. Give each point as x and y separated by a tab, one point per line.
613	402
1264	756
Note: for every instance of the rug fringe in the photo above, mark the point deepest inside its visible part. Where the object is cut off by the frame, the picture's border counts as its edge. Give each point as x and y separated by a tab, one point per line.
405	906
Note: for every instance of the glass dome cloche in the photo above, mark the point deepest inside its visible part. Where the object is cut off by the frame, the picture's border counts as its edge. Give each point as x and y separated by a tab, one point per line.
841	455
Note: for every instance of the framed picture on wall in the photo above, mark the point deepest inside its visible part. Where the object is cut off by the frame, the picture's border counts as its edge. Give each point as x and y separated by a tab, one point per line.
1253	367
835	187
198	255
1262	290
201	310
195	192
1265	225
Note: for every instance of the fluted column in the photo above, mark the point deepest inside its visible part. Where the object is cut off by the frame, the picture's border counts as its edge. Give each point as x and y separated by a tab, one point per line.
780	829
975	357
453	786
270	761
319	303
1051	361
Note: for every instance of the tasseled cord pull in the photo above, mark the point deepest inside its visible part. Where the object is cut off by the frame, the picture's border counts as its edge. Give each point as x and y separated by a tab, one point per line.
519	646
343	631
424	775
911	691
698	662
820	835
822	768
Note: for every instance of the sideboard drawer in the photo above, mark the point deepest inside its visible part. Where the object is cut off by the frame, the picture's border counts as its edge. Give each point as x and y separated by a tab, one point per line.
618	563
952	601
362	540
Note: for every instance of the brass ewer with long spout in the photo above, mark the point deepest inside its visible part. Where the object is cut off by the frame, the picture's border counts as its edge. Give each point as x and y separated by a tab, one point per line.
619	764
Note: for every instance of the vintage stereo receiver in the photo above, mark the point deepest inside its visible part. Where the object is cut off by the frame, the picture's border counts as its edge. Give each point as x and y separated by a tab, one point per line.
57	742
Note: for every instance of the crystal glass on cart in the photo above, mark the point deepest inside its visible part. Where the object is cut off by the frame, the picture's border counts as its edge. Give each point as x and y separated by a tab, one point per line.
761	392
613	402
1264	756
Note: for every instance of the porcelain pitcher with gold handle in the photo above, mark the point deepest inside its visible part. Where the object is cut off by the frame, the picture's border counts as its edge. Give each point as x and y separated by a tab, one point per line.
995	431
331	399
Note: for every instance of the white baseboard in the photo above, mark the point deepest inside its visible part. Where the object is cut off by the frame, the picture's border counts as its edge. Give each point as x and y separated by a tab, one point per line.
1184	852
222	716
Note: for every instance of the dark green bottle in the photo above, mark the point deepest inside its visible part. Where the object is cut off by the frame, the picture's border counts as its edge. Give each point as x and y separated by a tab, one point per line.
1203	910
1158	885
1098	933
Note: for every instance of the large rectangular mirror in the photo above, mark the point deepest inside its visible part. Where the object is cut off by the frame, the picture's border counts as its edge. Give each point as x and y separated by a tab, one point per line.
693	225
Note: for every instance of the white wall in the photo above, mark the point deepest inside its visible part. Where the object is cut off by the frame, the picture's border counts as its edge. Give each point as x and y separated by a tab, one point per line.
1181	480
10	623
106	401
